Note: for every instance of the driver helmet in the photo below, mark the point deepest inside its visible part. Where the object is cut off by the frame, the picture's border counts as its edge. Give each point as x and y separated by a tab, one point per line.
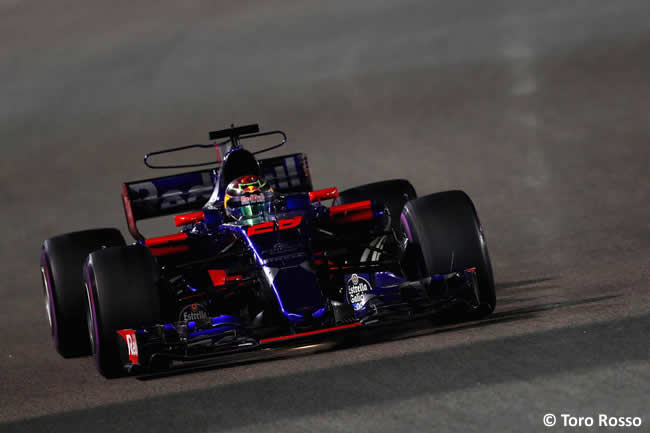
246	197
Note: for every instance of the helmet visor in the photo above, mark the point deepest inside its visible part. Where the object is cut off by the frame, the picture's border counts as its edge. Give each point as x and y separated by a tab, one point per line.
254	210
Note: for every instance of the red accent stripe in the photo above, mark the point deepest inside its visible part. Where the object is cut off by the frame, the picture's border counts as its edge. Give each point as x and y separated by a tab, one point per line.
352	212
365	215
218	277
350	207
336	268
323	194
289	223
128	335
165	251
189	218
304	334
269	226
218	153
153	242
128	212
196	295
257	229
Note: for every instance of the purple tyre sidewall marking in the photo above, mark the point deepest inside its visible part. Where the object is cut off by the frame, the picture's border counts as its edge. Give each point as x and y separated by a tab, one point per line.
406	226
93	313
45	263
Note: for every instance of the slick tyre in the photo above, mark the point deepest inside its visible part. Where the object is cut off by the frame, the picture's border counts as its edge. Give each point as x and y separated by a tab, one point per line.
122	293
393	193
445	230
61	266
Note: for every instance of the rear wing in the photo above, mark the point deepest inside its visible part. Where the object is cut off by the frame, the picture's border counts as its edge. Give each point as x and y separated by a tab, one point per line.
188	192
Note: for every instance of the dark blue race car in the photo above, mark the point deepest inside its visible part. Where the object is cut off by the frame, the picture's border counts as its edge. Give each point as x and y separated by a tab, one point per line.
261	259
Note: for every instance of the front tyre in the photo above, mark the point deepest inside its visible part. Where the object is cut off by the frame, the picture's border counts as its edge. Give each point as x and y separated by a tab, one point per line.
122	293
445	231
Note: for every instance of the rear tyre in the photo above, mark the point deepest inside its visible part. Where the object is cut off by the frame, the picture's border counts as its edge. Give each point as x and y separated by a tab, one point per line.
393	193
122	293
62	259
445	231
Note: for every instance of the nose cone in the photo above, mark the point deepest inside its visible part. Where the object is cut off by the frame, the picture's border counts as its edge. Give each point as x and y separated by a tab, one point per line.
297	290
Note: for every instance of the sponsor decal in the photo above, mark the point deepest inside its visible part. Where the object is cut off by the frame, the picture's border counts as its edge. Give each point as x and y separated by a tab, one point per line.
289	223
157	192
193	312
131	344
356	287
252	198
269	226
285	257
282	251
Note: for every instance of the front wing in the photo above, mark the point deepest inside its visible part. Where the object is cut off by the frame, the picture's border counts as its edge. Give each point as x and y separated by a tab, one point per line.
161	346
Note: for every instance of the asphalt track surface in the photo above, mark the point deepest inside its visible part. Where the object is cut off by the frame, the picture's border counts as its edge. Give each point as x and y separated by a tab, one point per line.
539	110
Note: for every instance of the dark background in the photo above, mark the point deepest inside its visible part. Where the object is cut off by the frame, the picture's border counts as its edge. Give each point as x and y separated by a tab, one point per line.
540	110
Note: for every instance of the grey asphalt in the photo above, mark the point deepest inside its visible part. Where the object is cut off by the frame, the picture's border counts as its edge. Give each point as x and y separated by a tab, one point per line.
540	110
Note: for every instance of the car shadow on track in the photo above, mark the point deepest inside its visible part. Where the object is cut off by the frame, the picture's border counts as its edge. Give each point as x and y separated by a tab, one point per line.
394	332
445	325
393	377
445	322
523	283
518	300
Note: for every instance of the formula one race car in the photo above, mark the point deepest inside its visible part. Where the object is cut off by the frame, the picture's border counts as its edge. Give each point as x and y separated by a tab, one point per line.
259	260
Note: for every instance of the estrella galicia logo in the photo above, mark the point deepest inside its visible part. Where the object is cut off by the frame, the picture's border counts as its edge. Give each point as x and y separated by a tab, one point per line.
193	312
357	287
